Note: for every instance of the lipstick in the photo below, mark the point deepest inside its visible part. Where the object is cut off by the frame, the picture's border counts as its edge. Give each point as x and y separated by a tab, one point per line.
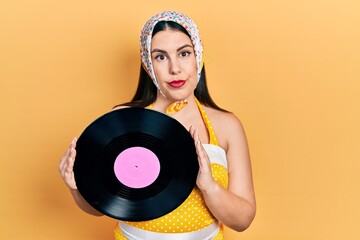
177	83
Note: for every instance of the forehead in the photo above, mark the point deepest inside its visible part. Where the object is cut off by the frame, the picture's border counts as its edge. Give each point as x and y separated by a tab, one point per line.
169	38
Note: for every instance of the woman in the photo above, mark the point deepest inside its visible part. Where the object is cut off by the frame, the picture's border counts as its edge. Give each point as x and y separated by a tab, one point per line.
172	80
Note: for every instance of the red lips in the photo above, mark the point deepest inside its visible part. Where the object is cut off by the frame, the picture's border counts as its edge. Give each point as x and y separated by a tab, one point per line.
177	83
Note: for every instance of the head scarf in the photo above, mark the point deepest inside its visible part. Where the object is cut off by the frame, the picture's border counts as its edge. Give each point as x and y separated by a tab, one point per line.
146	35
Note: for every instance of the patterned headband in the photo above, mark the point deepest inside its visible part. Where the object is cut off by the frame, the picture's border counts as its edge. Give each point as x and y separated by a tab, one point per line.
146	35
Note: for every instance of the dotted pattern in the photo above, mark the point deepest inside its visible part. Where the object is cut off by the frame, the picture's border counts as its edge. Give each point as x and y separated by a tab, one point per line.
192	214
212	136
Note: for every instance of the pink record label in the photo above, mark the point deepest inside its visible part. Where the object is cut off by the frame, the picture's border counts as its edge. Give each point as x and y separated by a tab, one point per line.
137	167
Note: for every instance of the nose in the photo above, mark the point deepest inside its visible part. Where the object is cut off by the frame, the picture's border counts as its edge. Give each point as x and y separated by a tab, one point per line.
174	67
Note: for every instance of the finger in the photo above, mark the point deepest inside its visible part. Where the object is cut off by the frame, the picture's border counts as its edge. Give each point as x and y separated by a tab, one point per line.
69	178
68	173
64	166
70	166
73	142
67	153
202	157
73	153
198	145
195	135
204	160
62	162
191	131
200	151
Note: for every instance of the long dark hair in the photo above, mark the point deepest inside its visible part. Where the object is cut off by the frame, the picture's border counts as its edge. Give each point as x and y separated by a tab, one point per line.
146	91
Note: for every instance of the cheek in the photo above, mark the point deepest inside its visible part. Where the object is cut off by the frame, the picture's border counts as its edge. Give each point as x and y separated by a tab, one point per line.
191	66
194	70
158	70
194	64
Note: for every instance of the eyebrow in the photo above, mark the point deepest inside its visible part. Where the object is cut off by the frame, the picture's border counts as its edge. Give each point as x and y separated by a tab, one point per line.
179	49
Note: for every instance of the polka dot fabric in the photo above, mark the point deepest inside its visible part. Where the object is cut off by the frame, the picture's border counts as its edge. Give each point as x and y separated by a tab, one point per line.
192	214
212	136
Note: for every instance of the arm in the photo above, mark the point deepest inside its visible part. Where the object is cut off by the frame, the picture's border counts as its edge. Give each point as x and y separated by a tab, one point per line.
235	206
66	170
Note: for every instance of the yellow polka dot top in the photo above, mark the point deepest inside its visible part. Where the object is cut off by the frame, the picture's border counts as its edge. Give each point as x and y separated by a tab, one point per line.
192	214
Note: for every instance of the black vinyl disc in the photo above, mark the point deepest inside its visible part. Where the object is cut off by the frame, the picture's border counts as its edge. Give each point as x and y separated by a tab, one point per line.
135	164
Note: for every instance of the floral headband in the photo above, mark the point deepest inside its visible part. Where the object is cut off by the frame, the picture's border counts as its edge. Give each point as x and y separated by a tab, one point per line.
146	35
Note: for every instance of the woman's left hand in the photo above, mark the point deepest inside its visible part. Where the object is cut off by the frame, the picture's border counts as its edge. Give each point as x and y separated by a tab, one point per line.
204	180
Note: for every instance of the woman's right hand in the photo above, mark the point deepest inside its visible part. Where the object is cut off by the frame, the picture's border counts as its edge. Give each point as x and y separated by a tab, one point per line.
66	166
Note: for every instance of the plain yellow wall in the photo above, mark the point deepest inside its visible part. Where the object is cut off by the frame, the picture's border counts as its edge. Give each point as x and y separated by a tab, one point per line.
288	68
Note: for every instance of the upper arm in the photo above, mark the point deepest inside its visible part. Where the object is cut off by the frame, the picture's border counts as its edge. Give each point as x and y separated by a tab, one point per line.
237	153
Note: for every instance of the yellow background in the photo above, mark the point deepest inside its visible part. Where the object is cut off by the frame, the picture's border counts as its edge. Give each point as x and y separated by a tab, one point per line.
289	69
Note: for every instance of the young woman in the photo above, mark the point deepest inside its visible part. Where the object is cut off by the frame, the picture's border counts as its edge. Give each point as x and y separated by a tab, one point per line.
172	81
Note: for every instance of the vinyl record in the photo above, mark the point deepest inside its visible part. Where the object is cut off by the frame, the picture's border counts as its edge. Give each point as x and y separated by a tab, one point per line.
135	164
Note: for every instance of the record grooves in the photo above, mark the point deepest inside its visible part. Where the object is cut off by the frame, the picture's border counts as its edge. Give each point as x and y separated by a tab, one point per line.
135	164
124	142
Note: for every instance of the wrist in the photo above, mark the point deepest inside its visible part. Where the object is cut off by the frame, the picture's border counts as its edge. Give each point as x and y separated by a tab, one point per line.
211	189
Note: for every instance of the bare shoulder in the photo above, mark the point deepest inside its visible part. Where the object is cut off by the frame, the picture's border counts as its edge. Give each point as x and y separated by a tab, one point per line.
224	121
227	126
119	107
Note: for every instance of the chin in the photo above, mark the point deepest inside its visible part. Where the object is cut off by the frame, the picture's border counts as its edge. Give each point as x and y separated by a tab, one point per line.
180	97
177	94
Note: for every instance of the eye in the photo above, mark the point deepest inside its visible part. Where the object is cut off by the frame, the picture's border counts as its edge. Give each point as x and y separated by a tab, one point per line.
160	57
185	54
